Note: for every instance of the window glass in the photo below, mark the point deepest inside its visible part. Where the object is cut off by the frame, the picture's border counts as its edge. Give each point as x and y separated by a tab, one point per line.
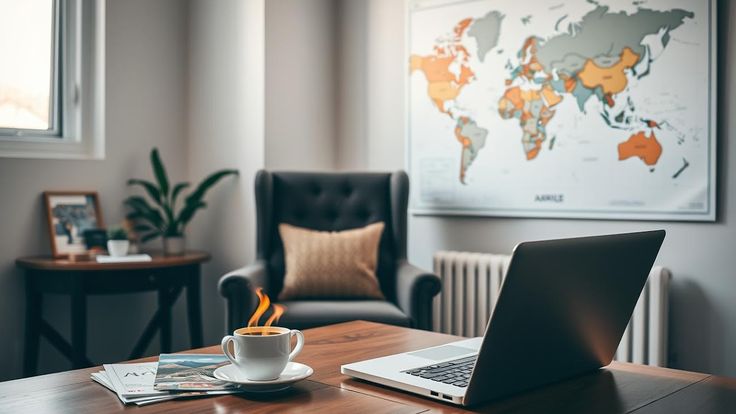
27	47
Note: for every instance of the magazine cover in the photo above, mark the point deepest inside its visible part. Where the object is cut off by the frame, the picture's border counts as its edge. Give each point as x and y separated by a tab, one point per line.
133	380
190	372
103	378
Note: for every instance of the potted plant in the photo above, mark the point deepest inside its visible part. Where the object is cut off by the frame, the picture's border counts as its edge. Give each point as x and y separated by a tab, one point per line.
160	217
117	241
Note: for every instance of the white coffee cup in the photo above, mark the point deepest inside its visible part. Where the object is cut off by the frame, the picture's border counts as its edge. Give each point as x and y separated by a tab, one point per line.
261	353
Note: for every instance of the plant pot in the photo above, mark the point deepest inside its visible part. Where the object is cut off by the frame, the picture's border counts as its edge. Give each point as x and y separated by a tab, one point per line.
174	246
118	248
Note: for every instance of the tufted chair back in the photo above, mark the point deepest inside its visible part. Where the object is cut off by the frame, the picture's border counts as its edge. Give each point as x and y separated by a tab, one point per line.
331	202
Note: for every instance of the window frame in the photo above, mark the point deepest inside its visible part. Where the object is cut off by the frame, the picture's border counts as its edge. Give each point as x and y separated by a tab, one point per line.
79	97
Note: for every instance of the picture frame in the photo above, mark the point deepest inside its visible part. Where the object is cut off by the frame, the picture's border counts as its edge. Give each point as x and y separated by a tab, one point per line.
69	215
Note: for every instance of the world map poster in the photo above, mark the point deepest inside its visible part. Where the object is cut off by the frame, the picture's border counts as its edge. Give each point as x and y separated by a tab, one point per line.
569	108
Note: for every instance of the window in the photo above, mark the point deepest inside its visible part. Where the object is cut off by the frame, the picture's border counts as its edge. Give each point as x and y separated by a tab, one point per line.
28	76
52	78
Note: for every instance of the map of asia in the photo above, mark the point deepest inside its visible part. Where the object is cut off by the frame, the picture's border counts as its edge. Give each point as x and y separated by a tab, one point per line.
579	108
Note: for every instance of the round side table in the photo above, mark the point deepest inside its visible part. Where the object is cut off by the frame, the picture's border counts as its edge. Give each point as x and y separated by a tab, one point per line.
168	275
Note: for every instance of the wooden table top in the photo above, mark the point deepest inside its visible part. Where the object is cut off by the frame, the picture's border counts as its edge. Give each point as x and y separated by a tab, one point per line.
619	388
158	260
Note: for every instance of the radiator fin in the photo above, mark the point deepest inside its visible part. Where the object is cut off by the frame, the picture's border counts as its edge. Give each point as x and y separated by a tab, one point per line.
471	283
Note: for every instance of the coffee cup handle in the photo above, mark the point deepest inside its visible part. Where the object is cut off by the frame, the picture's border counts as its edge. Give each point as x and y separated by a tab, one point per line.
299	343
226	349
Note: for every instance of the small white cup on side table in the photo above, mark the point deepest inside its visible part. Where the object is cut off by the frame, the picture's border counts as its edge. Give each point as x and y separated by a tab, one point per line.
118	248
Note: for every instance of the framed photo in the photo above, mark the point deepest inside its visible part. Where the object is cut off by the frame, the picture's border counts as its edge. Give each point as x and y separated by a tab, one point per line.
70	214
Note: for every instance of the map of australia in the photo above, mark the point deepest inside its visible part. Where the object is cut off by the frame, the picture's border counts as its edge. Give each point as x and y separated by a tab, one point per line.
575	77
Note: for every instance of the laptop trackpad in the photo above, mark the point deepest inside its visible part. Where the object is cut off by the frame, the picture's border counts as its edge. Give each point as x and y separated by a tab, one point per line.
442	352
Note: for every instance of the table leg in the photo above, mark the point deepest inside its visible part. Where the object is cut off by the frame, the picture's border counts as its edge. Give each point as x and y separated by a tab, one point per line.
155	323
194	306
164	307
34	306
79	322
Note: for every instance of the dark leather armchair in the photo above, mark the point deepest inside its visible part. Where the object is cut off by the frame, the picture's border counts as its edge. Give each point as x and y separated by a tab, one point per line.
333	202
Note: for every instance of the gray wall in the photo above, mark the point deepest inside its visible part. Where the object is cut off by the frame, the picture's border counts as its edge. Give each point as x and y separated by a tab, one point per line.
370	109
225	130
261	95
301	84
145	108
703	313
352	128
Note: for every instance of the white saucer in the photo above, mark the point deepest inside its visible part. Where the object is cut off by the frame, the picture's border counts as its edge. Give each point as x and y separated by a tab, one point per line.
293	372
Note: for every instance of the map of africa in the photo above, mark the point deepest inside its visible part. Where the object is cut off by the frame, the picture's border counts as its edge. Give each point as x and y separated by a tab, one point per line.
576	108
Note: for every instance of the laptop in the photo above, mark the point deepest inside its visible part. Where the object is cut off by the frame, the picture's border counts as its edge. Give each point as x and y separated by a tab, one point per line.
562	311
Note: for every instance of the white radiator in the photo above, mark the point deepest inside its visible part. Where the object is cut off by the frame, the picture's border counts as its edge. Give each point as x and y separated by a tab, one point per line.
471	283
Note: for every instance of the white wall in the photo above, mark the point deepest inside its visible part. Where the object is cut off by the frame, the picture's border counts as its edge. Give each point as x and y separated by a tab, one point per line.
144	108
371	96
352	122
703	317
301	84
226	130
261	95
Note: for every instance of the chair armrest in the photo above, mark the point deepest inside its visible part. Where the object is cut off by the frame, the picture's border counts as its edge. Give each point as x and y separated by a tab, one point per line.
238	287
415	289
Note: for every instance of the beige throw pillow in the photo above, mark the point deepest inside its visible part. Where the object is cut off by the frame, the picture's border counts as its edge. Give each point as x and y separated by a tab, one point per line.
322	264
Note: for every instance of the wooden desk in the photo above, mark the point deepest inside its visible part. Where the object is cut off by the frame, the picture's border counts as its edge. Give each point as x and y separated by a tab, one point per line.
168	275
620	388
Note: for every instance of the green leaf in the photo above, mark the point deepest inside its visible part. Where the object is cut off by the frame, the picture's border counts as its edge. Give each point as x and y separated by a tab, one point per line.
140	205
160	172
149	236
205	185
187	213
142	228
117	233
168	216
151	189
175	193
145	224
135	215
144	211
173	231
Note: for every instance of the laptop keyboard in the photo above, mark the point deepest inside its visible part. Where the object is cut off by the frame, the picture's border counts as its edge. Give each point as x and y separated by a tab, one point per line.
455	372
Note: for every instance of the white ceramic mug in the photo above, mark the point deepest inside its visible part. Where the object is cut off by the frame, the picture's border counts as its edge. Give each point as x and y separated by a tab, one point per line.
261	353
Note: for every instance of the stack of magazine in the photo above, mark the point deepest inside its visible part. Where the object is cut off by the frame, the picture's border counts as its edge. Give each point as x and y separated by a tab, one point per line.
173	376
